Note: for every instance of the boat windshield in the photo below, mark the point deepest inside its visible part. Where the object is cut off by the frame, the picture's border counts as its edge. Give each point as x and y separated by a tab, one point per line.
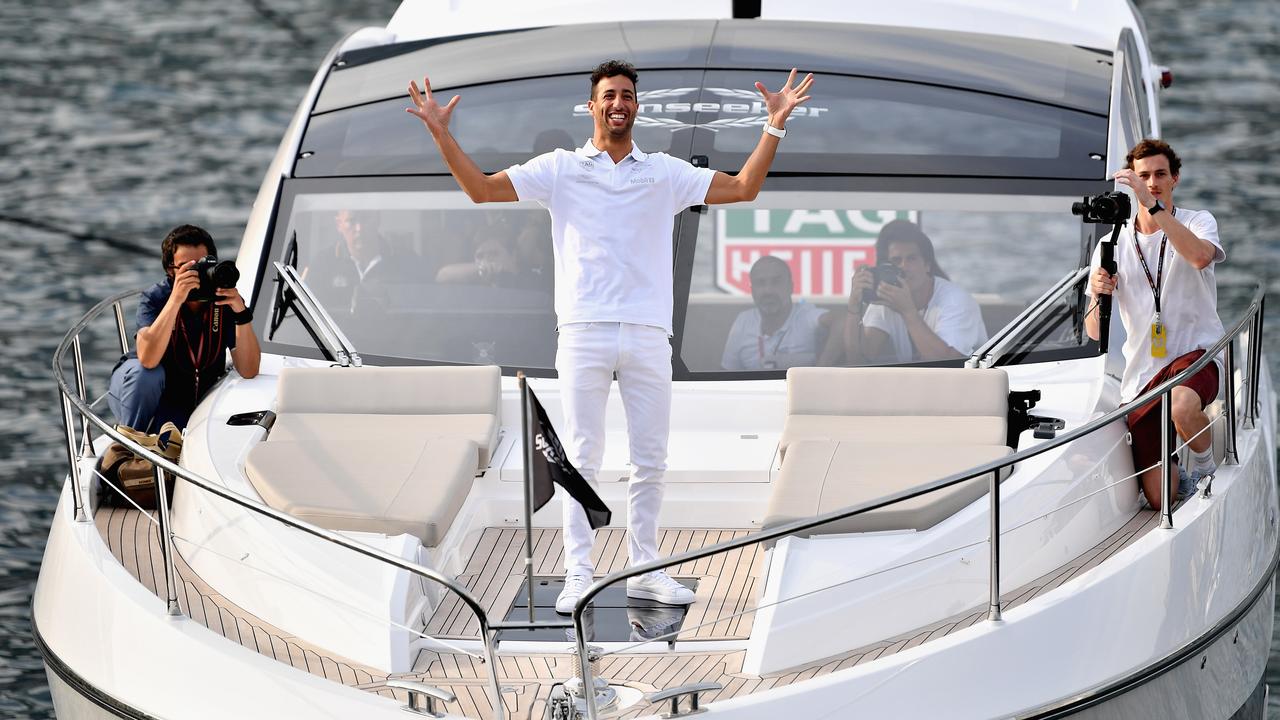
772	282
425	276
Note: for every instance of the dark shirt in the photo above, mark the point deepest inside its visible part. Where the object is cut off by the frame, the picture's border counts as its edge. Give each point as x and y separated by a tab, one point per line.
196	357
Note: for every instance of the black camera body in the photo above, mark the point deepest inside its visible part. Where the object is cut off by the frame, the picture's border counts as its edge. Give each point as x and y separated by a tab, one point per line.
214	276
884	273
1109	208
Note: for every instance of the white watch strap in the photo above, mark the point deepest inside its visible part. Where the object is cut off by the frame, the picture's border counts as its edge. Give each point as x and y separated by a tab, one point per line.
776	132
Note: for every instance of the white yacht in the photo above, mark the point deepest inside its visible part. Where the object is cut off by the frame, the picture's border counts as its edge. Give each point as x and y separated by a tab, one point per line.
961	538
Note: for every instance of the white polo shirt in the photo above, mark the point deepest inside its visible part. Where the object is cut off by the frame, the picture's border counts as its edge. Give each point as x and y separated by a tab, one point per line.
611	226
1188	299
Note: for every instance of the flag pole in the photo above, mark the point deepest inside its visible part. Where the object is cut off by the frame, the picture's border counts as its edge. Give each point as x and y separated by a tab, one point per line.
526	426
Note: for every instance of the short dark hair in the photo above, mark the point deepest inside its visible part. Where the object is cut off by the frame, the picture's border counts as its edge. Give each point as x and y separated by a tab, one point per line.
898	231
612	68
1149	147
188	235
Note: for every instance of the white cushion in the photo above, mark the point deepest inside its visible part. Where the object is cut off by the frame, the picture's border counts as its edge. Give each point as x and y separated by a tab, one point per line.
823	476
897	391
408	486
434	390
373	432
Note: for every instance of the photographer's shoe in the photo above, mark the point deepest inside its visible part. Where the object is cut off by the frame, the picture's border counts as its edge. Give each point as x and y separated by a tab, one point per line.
659	586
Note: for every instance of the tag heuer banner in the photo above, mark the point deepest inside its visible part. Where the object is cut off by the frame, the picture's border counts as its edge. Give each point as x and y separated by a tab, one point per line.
823	247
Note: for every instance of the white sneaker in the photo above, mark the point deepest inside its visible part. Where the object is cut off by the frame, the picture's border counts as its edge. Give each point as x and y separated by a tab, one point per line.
575	584
659	586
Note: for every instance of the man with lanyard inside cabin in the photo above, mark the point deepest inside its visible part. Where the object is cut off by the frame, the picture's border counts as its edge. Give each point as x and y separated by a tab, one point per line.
613	210
1167	297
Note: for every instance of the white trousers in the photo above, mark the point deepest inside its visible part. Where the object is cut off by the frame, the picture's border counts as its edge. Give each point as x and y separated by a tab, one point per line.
587	357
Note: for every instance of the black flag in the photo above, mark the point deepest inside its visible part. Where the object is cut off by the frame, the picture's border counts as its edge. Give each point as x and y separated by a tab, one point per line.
550	467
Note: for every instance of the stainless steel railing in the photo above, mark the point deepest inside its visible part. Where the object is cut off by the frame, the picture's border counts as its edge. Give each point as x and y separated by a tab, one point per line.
1252	318
75	403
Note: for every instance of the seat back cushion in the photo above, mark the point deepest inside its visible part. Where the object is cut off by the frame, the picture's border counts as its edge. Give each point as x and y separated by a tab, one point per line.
897	391
432	390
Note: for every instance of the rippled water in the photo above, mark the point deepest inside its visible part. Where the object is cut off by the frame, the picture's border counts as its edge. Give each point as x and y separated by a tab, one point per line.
123	118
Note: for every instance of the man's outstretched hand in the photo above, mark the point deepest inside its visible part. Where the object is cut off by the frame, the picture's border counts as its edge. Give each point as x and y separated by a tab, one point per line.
781	103
431	113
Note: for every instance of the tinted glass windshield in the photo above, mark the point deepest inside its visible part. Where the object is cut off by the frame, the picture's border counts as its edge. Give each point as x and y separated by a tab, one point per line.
852	125
426	276
777	285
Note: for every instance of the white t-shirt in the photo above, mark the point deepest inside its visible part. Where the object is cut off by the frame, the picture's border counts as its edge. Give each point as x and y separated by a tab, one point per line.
794	343
611	227
952	314
1188	299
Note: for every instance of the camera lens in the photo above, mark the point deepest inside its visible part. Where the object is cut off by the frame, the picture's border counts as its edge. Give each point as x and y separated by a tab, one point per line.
225	275
1079	208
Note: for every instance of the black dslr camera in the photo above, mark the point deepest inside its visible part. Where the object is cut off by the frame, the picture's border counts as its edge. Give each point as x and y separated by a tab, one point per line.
214	276
1109	208
884	273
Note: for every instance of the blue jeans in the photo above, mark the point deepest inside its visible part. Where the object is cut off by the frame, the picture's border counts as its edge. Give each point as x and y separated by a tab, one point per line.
136	397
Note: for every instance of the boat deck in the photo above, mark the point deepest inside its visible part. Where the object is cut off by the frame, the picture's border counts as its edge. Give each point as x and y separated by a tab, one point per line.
727	585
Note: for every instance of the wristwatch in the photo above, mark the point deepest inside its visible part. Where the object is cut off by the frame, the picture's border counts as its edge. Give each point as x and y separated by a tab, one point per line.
244	317
1159	206
776	132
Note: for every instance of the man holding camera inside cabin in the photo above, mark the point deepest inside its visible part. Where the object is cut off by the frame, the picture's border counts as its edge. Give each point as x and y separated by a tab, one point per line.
186	324
1165	291
906	309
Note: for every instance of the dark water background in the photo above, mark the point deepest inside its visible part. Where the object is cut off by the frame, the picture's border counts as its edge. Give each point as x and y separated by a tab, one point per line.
122	118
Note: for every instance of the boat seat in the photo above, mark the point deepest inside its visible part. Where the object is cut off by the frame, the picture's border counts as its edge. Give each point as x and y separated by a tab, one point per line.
388	450
856	434
454	401
956	406
413	486
821	476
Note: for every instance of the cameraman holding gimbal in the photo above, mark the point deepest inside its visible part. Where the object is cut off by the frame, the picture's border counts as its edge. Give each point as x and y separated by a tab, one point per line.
186	324
1167	297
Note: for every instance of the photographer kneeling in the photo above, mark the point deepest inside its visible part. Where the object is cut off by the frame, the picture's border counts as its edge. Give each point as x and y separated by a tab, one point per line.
186	324
905	309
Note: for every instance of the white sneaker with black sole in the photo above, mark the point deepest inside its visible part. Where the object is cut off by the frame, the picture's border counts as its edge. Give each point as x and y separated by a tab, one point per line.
658	586
574	586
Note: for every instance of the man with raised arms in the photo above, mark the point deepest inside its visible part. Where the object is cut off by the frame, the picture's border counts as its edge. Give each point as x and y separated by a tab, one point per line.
613	210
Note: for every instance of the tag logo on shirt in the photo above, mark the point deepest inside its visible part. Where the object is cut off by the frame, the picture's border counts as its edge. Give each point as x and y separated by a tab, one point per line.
643	181
587	164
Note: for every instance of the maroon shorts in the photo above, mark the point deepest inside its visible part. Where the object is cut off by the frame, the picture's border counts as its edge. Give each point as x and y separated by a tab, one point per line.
1144	423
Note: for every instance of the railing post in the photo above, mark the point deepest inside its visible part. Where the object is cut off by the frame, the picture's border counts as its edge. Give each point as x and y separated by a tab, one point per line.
1254	364
73	458
993	612
86	440
1254	406
584	661
166	542
490	659
1166	509
1230	400
120	328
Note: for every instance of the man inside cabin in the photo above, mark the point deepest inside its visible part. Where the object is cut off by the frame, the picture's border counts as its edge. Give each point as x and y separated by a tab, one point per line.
1167	297
918	314
613	212
182	342
778	332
